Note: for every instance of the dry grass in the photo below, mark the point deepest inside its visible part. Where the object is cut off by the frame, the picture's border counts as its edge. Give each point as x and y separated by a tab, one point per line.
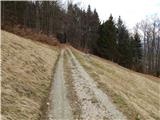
31	34
27	68
137	95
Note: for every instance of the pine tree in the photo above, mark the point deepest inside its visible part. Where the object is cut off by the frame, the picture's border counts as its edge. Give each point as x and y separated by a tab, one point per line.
107	41
95	25
123	40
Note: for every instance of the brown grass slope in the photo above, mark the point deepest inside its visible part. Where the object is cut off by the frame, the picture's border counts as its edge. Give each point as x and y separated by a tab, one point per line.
27	68
137	95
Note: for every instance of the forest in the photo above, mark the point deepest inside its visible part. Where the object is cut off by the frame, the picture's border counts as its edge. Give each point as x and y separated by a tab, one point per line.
111	39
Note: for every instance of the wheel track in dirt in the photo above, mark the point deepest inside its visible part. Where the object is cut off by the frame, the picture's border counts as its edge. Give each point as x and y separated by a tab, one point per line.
59	107
95	105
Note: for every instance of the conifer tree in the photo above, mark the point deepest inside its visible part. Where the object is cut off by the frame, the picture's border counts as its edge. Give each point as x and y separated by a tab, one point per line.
107	41
123	40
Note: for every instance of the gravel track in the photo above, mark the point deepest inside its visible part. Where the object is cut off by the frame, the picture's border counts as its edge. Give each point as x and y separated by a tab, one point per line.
95	104
59	107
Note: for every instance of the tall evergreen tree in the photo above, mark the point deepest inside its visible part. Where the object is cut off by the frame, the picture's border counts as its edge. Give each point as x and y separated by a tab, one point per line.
123	40
95	25
107	41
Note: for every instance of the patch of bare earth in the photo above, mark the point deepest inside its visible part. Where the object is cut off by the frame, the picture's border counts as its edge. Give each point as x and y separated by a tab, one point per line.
27	68
59	107
94	103
135	94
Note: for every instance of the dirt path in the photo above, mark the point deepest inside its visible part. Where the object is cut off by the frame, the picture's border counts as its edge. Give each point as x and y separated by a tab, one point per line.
59	108
95	104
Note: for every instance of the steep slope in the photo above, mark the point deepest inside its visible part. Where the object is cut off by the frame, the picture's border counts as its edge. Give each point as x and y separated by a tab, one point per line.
27	69
83	86
135	94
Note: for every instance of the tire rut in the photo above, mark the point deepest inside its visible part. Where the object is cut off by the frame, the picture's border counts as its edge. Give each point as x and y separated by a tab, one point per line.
95	103
59	107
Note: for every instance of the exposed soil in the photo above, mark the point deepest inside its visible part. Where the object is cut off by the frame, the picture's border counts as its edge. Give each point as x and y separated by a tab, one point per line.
59	107
95	103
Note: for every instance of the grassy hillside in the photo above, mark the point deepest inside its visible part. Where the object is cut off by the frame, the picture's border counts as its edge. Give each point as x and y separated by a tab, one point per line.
137	95
27	68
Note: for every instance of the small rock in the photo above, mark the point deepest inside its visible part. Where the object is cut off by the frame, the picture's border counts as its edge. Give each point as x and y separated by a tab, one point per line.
47	103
